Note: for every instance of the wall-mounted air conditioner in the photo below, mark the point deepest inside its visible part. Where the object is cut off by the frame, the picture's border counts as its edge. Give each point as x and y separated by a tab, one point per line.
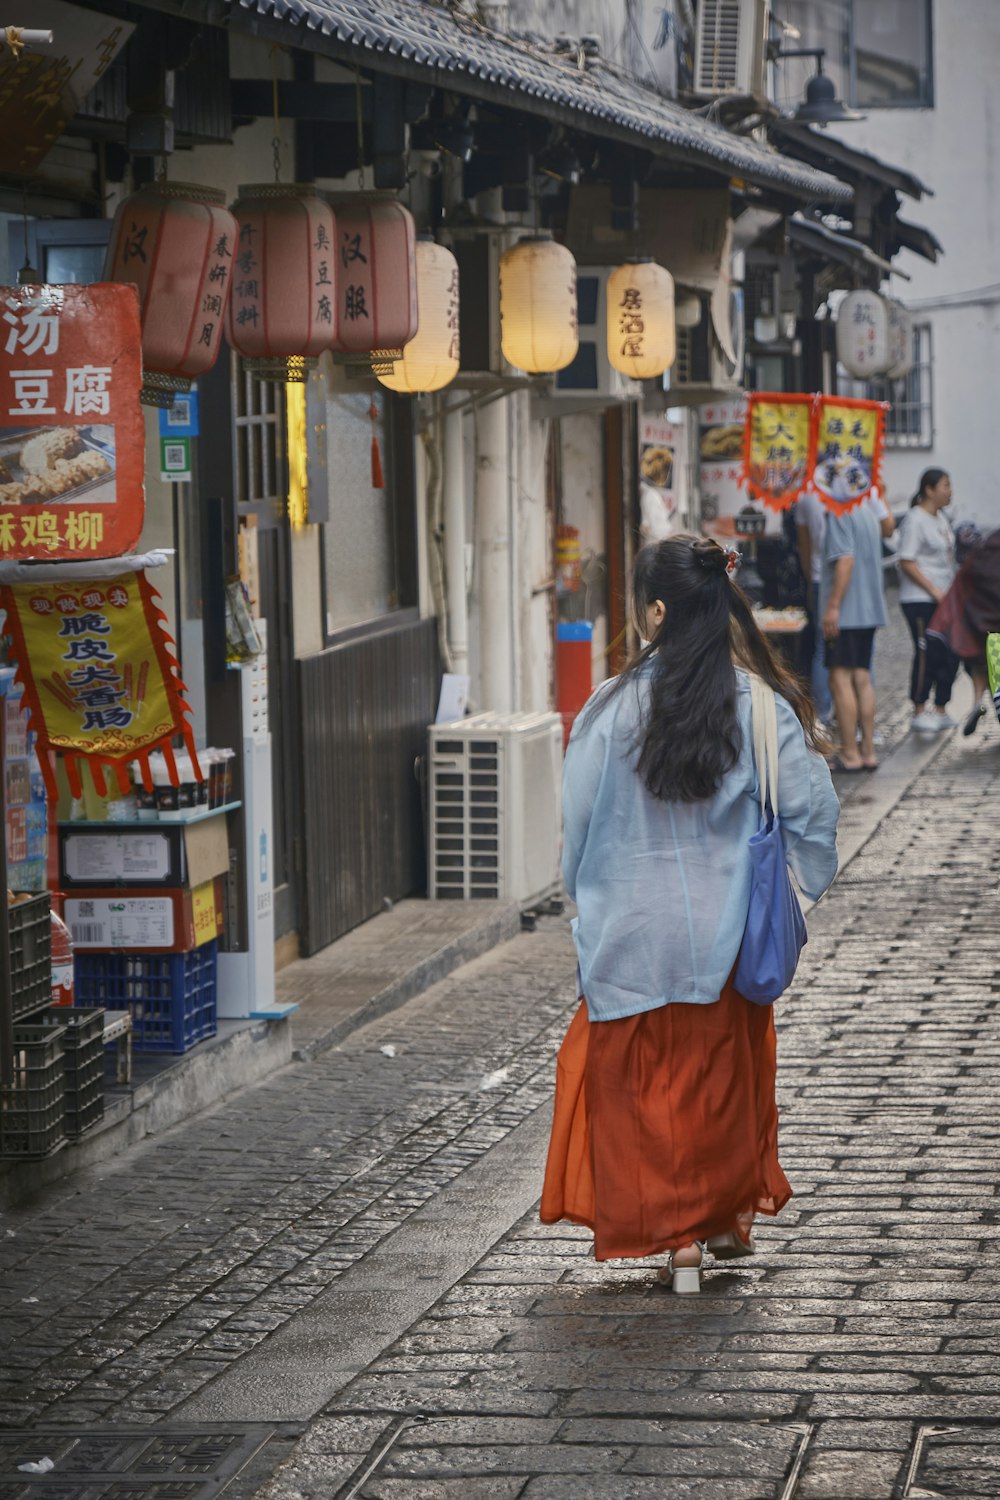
495	808
730	53
591	380
702	371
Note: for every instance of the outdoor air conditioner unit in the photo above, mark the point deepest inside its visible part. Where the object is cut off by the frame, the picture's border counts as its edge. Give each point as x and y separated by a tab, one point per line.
730	50
701	371
495	808
591	380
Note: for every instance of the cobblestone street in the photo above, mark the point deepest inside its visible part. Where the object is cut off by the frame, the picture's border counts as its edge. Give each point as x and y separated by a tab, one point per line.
347	1256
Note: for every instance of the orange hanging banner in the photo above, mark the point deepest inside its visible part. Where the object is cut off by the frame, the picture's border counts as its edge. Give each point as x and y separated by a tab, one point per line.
777	447
848	453
99	677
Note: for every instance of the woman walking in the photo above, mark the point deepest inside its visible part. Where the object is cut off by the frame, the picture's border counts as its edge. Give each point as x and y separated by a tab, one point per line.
665	1126
927	569
968	613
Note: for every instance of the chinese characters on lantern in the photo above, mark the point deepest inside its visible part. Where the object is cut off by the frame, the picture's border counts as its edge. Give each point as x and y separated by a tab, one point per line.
71	429
631	325
282	314
355	305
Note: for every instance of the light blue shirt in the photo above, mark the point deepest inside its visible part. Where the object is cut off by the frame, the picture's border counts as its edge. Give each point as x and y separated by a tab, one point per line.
662	889
857	534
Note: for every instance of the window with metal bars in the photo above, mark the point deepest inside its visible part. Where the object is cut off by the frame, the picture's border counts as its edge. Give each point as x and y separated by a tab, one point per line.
258	445
909	421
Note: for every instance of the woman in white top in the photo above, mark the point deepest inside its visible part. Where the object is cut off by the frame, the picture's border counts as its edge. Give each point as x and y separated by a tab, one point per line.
927	567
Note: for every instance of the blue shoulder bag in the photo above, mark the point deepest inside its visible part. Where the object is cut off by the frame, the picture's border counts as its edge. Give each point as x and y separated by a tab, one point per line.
775	933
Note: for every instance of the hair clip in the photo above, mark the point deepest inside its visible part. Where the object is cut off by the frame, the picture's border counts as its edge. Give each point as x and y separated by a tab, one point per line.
734	558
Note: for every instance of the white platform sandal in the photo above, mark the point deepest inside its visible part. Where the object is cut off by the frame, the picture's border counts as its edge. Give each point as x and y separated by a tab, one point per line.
684	1279
728	1246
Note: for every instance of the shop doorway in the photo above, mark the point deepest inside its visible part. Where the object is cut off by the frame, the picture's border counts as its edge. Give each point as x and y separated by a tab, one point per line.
260	487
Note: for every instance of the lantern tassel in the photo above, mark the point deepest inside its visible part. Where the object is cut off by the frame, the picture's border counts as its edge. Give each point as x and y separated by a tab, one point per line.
378	477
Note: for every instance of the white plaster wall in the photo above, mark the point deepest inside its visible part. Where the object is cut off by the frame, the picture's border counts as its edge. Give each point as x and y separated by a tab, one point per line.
954	148
536	555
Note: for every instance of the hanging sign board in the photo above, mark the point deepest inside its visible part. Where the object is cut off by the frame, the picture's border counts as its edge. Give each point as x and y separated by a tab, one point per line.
777	447
720	449
831	445
848	462
71	427
99	678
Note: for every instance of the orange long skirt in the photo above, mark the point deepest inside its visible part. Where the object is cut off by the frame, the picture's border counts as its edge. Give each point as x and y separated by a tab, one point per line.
665	1128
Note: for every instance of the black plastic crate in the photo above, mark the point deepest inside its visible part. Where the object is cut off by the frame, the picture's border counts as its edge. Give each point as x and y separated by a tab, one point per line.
30	926
83	1052
32	1105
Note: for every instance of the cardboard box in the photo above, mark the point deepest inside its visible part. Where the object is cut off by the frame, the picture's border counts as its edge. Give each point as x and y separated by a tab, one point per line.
145	921
147	854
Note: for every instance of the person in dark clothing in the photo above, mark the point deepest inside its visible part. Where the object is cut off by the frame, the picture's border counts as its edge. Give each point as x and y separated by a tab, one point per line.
968	613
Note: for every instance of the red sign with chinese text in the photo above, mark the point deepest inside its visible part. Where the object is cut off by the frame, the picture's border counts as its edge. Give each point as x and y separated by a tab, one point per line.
72	434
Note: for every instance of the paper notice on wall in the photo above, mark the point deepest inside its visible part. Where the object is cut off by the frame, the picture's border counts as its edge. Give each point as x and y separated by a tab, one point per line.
132	922
663	501
104	859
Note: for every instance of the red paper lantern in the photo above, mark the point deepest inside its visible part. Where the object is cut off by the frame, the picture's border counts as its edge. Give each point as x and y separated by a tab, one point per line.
283	312
175	242
376	280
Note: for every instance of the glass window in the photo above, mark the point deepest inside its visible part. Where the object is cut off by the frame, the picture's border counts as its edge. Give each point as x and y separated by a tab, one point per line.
909	422
359	571
891	53
367	548
878	52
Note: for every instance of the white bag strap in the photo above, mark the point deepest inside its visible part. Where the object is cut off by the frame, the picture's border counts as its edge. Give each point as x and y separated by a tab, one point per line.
764	717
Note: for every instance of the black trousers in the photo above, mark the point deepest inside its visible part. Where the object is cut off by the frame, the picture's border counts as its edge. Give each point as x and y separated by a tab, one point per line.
934	664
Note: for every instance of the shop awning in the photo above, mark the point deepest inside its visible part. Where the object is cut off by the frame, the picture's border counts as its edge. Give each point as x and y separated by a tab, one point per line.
423	40
833	245
918	239
828	154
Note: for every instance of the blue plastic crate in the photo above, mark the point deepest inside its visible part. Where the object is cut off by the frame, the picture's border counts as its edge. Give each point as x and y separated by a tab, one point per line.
172	997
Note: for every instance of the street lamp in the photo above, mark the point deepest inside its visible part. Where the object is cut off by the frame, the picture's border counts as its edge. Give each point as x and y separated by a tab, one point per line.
821	105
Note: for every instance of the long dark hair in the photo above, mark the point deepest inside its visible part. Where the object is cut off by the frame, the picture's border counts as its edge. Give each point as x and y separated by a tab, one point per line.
929	480
691	735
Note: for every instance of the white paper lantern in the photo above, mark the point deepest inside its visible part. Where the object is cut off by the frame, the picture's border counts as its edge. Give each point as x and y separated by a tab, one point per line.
430	359
863	346
538	324
900	340
642	333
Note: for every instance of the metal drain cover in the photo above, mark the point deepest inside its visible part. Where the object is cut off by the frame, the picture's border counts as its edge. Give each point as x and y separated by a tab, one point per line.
954	1463
128	1463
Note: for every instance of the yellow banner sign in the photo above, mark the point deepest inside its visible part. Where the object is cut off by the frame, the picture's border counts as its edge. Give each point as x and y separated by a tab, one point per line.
848	451
777	447
99	678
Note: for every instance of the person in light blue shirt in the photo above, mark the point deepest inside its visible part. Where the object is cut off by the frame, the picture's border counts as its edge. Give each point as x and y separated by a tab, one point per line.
660	798
852	604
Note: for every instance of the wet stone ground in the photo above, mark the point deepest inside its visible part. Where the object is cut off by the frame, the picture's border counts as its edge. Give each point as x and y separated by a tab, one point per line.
855	1358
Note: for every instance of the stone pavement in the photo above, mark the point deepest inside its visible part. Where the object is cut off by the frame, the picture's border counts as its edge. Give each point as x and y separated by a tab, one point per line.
856	1356
352	1244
